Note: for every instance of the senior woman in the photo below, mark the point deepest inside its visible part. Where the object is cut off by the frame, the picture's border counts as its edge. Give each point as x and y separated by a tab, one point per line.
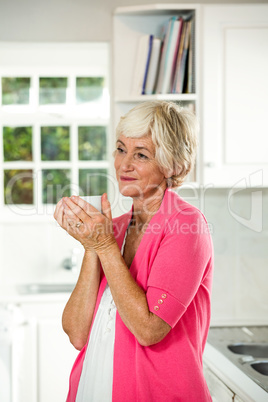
140	311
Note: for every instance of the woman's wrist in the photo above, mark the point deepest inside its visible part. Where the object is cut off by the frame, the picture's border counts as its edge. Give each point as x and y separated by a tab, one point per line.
106	246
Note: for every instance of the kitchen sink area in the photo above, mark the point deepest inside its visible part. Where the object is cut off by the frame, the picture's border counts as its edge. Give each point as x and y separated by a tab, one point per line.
36	288
246	347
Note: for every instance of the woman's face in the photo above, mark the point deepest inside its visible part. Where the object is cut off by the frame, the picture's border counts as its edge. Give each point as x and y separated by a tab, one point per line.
137	171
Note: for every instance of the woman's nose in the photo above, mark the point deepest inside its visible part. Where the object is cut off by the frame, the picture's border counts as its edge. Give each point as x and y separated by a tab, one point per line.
127	162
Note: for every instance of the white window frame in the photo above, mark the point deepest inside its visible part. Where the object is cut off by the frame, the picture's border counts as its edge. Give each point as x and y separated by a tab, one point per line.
51	60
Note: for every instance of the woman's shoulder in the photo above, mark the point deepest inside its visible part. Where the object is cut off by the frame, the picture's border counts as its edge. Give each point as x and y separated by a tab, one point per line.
175	205
182	218
178	212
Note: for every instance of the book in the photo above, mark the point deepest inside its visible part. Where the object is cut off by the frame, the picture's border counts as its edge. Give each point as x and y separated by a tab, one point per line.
169	58
141	64
176	53
190	82
183	66
179	58
150	46
163	55
153	67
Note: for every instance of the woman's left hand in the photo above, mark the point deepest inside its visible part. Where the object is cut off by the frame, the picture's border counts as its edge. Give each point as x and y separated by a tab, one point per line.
93	229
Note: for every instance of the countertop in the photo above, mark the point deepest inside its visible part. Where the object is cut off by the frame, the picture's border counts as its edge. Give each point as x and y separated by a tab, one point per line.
12	295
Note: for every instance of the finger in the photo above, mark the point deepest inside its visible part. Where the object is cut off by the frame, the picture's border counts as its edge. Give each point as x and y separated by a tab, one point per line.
70	217
73	210
58	214
57	209
68	224
106	207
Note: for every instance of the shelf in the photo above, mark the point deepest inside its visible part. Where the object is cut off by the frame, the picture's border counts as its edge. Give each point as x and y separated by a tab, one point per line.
153	9
168	97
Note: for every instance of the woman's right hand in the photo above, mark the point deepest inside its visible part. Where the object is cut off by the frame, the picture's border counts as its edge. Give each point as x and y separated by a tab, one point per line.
93	229
59	216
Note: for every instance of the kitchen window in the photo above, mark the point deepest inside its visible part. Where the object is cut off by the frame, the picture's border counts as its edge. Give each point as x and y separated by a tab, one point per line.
54	122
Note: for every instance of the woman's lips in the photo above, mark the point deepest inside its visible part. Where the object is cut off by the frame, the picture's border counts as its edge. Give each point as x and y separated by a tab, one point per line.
125	178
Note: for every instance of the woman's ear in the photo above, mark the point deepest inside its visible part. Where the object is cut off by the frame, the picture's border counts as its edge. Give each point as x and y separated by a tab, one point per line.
168	173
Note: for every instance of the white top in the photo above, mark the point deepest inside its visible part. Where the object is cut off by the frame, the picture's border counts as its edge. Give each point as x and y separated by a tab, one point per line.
96	381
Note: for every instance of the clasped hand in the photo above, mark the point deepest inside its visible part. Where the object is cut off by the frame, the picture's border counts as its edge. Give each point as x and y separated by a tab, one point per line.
93	229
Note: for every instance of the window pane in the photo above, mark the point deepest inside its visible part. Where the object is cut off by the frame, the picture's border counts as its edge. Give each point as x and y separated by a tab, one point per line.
15	91
55	143
89	89
56	184
18	186
92	143
93	181
52	90
17	142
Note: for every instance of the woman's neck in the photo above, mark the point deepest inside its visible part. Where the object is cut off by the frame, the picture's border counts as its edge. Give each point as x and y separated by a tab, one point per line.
144	209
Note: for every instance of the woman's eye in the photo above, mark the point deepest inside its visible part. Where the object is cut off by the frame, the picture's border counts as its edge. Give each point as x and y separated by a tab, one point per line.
120	150
142	156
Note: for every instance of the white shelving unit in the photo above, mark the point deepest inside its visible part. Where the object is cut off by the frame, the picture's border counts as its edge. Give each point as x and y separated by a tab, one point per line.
129	24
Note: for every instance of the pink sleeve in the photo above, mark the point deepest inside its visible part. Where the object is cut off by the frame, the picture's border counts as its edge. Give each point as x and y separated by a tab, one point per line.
179	266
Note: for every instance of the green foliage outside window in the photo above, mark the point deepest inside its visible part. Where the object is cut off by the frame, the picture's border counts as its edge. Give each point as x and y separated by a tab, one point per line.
18	186
93	181
55	143
56	184
89	89
52	90
17	142
92	143
15	90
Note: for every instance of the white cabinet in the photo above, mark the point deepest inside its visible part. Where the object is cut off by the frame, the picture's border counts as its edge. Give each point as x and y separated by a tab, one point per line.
237	399
129	24
234	95
55	359
218	390
44	355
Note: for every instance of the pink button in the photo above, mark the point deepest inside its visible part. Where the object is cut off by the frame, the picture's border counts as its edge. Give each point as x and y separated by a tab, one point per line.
160	301
156	308
163	295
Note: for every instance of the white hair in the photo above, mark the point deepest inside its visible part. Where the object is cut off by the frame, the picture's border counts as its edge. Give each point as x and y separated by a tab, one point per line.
174	133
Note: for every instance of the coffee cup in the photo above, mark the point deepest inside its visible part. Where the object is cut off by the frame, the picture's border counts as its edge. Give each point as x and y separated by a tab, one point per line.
94	200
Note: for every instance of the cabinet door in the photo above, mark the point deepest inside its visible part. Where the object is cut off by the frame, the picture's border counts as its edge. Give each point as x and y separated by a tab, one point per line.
237	399
235	87
218	390
55	359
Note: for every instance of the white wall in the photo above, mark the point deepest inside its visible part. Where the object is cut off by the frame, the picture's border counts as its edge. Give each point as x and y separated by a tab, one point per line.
241	258
67	20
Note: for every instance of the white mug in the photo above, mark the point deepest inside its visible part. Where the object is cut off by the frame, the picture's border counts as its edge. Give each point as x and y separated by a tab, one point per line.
94	200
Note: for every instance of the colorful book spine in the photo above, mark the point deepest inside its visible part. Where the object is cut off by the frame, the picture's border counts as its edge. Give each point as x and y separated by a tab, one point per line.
140	65
163	56
176	53
183	64
169	60
151	37
179	58
153	67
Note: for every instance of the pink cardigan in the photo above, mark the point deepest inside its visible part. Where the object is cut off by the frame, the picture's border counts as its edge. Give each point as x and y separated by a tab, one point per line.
173	265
